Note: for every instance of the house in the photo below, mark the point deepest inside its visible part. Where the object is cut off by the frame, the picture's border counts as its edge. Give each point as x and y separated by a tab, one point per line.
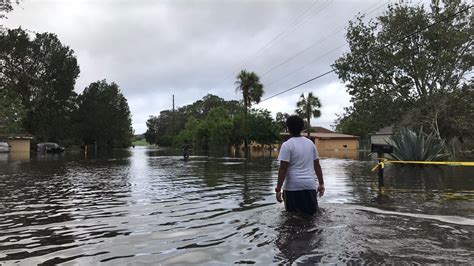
318	130
382	136
19	144
332	144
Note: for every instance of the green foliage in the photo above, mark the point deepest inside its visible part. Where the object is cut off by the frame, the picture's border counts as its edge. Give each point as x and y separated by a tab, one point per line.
248	83
308	107
212	123
40	72
139	142
219	129
151	134
11	113
213	131
281	121
219	126
160	128
366	117
448	115
409	146
6	6
263	129
393	85
103	116
37	78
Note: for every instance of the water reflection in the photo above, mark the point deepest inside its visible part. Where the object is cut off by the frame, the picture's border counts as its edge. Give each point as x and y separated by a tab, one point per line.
49	201
20	156
148	205
298	236
341	154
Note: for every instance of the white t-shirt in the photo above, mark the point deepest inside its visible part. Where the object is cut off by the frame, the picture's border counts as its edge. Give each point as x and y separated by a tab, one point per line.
300	152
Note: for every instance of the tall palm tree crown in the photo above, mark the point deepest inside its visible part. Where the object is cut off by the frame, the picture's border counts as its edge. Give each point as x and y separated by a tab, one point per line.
249	84
308	107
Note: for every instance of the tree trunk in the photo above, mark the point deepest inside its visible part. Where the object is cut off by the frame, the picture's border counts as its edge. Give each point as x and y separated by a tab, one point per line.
309	127
246	144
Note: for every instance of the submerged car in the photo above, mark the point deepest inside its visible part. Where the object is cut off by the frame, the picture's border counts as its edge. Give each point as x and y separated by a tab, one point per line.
4	147
49	147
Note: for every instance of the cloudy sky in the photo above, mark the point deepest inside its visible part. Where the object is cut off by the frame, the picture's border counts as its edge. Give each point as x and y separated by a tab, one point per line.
154	49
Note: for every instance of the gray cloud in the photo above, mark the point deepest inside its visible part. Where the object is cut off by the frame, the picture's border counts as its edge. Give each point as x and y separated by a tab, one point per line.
153	49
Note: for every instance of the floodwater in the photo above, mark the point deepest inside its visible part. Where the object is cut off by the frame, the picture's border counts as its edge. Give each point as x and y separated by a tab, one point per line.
148	206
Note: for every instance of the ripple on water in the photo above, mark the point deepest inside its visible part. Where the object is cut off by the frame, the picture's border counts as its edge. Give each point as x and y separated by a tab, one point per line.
148	207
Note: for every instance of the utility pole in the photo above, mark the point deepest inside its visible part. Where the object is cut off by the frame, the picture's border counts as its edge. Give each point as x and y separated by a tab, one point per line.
173	116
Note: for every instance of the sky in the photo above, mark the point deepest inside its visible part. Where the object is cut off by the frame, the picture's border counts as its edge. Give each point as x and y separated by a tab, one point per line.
156	49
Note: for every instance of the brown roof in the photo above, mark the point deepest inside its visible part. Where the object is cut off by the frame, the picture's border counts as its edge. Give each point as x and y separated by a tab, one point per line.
20	137
320	130
384	131
333	135
327	135
16	136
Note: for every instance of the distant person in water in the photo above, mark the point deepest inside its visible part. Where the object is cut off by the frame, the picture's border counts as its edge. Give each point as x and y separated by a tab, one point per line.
186	149
299	163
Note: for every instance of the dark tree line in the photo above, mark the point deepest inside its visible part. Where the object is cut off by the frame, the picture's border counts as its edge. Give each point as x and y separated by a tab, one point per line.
37	78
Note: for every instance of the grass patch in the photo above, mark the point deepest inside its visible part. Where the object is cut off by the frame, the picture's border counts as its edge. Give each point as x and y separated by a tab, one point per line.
140	142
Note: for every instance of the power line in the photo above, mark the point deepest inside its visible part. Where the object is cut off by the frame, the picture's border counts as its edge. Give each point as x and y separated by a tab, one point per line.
337	30
327	53
301	84
301	19
310	63
376	51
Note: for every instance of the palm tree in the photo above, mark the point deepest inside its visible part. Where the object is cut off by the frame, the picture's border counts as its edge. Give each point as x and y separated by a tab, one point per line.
248	83
308	107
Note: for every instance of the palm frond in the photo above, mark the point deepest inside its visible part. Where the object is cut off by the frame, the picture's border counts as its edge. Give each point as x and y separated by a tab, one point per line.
308	106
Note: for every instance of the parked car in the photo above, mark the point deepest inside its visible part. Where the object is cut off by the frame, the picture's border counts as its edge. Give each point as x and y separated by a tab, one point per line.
49	147
4	147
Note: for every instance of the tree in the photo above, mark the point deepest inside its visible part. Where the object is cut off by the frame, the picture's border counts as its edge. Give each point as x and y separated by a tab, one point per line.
41	73
308	107
151	134
103	116
263	129
248	83
281	121
391	84
6	6
11	113
212	131
159	127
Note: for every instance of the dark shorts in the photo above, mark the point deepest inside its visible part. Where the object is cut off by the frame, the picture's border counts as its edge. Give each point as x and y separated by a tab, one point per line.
305	201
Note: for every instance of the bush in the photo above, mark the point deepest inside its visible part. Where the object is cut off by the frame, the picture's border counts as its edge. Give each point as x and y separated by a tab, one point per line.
410	146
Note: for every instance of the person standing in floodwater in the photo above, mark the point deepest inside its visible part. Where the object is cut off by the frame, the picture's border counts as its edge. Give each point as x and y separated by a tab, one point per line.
186	149
299	161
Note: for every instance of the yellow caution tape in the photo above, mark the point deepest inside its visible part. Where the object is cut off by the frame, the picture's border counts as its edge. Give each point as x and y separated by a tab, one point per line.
384	161
438	163
381	164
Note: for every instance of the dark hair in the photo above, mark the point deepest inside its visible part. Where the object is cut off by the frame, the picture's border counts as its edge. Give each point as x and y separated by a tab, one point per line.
295	124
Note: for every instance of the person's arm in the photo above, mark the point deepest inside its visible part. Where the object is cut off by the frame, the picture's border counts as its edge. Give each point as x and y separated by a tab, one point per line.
319	174
282	171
